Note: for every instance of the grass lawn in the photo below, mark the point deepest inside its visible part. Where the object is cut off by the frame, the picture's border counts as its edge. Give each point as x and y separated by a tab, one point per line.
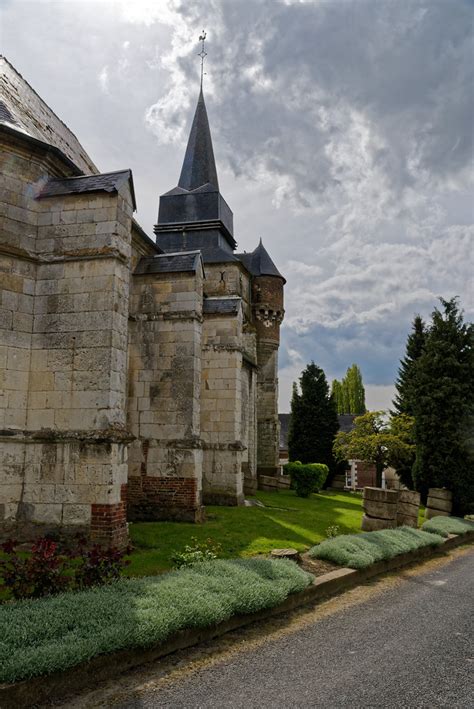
285	521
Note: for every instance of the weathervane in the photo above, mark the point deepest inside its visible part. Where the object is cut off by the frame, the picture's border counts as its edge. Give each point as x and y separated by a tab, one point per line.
202	53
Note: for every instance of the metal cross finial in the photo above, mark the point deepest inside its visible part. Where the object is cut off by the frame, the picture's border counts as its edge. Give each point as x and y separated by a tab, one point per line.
202	53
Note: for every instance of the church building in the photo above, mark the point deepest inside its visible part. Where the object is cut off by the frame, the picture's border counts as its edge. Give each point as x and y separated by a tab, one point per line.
138	377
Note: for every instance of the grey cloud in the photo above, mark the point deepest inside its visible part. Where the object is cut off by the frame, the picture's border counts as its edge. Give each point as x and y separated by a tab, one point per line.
342	132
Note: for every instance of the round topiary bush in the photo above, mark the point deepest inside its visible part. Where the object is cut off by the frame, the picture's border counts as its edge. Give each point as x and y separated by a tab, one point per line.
306	478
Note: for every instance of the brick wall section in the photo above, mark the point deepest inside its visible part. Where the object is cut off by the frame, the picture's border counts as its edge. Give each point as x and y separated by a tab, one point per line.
366	474
109	524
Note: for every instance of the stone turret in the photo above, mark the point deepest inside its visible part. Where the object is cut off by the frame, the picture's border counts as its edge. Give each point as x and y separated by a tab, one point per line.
268	313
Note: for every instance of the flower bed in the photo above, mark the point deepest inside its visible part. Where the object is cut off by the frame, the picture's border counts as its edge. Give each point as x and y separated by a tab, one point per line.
448	525
54	633
358	551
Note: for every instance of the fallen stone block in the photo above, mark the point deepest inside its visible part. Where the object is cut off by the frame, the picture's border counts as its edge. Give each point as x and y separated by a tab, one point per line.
289	553
437	503
409	497
382	510
371	524
379	495
429	513
407	521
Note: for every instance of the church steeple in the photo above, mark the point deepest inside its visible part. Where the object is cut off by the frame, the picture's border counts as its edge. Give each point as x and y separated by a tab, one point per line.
199	167
194	215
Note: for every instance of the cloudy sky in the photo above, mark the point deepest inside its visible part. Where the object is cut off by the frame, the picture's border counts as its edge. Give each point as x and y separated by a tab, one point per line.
342	131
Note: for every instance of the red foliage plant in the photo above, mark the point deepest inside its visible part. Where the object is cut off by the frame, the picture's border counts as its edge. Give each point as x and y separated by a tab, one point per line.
46	571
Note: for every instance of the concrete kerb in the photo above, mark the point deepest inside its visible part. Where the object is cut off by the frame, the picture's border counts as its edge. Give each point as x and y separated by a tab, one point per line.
43	689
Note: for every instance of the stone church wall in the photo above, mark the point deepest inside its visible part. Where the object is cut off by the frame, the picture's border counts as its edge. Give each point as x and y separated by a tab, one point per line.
165	468
133	384
63	446
221	423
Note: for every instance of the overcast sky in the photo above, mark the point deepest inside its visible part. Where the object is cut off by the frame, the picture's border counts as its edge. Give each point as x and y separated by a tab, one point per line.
342	132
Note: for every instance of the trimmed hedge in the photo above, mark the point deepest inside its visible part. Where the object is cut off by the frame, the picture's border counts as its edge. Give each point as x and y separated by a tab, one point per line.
358	551
49	634
306	478
448	525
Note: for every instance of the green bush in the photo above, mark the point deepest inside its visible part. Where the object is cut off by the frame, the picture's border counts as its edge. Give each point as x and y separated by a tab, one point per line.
447	525
195	553
306	478
358	551
50	634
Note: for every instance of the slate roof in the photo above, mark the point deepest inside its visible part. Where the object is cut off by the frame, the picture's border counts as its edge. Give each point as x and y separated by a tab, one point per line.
259	263
170	263
346	422
199	167
34	118
216	254
6	116
105	182
221	306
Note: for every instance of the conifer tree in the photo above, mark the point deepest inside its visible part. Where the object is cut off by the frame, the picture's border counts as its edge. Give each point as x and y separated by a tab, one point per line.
314	422
405	384
406	389
443	406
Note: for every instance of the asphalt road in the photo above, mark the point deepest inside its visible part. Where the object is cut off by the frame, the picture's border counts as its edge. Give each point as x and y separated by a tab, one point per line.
407	645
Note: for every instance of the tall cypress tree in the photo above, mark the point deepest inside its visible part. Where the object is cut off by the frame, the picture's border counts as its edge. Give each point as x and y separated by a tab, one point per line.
443	406
406	384
314	422
349	394
355	390
337	394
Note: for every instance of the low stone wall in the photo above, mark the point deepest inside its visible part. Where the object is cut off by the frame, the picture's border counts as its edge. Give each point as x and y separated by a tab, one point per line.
387	509
440	502
272	483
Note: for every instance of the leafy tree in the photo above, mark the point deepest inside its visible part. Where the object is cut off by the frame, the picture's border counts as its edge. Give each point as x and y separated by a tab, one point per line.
403	426
374	440
349	394
406	381
443	406
314	422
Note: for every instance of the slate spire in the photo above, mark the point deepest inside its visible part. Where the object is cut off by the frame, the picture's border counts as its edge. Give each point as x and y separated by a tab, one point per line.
199	167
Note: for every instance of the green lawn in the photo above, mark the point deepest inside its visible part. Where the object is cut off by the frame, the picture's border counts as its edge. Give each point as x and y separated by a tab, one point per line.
285	521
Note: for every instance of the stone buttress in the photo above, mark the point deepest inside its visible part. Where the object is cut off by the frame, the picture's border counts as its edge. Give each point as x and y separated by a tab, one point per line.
165	459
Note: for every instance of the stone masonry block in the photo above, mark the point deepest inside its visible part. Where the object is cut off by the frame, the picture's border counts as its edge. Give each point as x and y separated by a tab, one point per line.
383	510
379	495
409	497
371	524
440	493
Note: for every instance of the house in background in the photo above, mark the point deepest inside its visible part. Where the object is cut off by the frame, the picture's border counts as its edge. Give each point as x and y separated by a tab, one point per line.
359	473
